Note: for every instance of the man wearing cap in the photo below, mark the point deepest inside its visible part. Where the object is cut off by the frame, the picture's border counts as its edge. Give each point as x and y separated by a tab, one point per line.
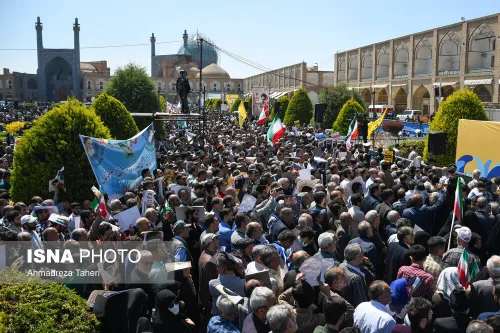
42	214
28	223
179	246
207	271
452	256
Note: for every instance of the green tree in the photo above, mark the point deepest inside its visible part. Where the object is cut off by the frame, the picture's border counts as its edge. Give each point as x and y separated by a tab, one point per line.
300	108
115	116
163	104
54	142
236	104
30	304
132	86
335	97
462	104
348	111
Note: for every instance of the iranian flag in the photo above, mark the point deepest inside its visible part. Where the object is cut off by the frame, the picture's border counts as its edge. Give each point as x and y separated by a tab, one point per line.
352	133
263	114
99	202
276	130
466	273
459	201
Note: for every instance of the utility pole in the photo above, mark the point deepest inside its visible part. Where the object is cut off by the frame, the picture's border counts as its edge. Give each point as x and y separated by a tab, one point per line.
200	40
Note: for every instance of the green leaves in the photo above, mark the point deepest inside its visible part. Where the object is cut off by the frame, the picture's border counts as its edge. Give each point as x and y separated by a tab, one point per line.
335	97
462	104
300	108
54	142
115	116
348	111
236	104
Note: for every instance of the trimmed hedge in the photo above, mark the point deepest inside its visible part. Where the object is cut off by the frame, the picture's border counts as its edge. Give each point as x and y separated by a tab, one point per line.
14	126
462	104
30	304
335	97
54	142
236	104
115	116
404	147
350	109
300	108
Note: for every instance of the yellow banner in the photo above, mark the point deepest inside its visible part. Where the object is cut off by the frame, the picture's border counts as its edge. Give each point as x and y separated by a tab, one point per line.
242	114
230	98
373	125
475	147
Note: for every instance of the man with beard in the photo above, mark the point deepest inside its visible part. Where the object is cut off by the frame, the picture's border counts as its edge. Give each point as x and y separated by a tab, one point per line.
28	223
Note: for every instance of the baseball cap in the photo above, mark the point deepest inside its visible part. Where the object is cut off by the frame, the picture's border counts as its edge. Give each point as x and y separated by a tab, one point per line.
179	225
28	219
207	238
464	234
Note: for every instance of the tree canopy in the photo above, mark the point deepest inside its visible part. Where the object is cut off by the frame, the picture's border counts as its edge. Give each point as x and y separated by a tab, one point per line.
335	97
115	116
346	114
300	108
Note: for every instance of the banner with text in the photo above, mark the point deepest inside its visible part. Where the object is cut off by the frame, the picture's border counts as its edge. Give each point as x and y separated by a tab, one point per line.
259	97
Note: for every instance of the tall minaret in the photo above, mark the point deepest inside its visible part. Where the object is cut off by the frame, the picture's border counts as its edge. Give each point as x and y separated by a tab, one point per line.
76	60
153	41
39	54
185	37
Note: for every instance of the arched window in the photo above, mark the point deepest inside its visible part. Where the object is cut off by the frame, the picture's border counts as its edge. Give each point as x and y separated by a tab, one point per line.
32	84
159	85
382	97
481	55
10	84
353	67
382	63
101	85
341	68
483	93
366	66
423	58
449	54
401	58
89	85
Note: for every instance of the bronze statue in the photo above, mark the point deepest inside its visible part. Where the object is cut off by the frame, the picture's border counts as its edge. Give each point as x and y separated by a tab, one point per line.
183	89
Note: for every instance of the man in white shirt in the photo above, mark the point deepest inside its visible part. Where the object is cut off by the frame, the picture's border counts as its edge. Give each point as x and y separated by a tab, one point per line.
373	316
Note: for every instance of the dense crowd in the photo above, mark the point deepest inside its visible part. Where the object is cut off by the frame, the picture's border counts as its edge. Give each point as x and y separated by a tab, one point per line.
359	245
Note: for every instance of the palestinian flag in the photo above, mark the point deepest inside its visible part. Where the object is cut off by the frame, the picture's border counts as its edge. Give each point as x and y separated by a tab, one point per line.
99	202
466	273
459	202
352	133
276	130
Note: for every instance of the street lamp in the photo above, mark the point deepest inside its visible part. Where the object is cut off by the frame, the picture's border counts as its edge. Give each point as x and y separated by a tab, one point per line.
373	99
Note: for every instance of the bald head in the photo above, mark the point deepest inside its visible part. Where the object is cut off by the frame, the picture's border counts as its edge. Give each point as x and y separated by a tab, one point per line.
142	224
23	236
50	235
298	258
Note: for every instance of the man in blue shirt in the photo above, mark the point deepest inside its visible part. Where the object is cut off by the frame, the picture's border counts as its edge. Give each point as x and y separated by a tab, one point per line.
225	228
225	267
179	245
224	322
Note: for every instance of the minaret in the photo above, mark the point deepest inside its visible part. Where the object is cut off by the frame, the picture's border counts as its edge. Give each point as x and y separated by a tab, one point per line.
153	41
185	37
39	53
76	60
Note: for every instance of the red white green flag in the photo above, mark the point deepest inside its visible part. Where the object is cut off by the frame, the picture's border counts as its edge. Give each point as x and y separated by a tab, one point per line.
466	273
352	133
263	114
459	201
276	130
100	203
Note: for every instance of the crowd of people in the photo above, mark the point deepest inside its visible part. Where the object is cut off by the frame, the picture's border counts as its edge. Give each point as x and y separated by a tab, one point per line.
366	246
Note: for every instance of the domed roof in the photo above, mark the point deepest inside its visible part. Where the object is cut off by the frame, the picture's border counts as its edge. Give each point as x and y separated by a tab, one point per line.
210	54
213	71
87	68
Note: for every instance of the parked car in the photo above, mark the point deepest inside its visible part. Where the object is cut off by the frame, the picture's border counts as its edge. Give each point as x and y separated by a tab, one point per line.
411	114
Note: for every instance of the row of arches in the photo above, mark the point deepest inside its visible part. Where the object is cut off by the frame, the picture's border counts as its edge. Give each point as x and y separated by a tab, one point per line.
421	97
481	55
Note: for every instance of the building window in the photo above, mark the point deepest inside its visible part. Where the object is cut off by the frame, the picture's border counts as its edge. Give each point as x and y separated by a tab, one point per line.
32	84
228	85
0	84
10	84
88	85
239	89
101	85
159	85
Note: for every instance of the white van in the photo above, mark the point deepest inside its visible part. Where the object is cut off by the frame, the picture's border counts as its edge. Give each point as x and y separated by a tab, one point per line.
408	114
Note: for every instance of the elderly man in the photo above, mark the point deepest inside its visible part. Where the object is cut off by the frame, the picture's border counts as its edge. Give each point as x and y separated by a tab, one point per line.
481	293
224	322
342	233
225	268
139	278
397	254
336	280
254	231
281	319
355	290
365	241
452	256
327	246
356	213
207	271
422	215
261	300
142	225
28	223
284	222
373	316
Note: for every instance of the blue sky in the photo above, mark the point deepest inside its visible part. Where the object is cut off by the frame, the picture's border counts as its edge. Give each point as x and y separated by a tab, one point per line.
270	33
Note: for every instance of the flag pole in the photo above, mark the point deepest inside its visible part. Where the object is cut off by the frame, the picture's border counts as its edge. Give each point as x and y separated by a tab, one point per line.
451	229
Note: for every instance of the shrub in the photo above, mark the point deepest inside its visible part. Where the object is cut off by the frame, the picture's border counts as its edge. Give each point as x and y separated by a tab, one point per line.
404	147
462	104
300	108
236	104
350	109
335	97
284	101
29	304
14	126
115	116
393	127
54	142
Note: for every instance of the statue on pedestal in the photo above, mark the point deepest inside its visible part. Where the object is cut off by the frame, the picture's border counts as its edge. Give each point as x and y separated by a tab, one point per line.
183	89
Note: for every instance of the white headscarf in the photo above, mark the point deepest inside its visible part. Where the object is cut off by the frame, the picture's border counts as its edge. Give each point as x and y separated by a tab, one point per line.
448	281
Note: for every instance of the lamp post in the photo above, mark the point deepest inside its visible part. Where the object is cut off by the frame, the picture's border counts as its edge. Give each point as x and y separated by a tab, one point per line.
373	99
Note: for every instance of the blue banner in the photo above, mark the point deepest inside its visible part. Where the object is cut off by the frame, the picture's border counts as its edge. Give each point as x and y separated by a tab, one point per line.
410	127
117	164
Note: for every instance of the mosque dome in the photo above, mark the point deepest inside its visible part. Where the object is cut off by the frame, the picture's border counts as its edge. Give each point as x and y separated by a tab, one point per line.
210	54
213	71
85	67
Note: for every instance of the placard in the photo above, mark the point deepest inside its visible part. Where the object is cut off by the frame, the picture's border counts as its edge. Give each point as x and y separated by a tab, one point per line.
127	218
305	174
247	203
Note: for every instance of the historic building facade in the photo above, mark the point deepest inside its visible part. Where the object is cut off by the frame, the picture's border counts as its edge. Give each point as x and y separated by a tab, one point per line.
407	72
287	79
18	86
165	69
